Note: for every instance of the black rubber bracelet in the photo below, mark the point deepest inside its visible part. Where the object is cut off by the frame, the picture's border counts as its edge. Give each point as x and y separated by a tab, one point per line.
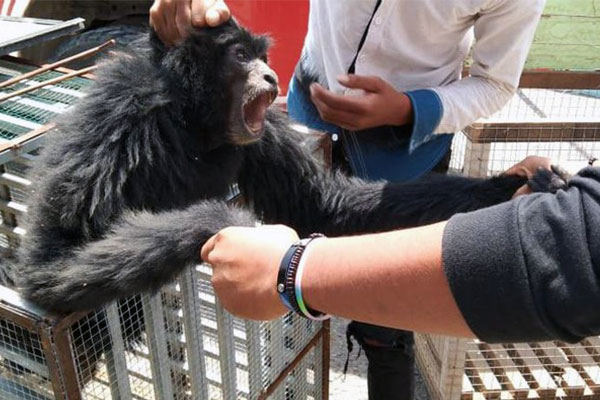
287	274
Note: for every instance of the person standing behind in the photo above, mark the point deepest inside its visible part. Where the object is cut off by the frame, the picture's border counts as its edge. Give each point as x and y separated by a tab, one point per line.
385	78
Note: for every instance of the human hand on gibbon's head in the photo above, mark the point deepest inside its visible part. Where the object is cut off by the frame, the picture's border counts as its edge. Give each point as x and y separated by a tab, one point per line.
173	19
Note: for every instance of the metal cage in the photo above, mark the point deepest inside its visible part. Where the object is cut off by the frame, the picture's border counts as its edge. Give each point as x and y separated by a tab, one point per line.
553	115
178	343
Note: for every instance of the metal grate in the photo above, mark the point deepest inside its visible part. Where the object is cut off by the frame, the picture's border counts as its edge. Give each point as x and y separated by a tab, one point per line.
546	369
560	124
22	114
181	344
565	126
23	370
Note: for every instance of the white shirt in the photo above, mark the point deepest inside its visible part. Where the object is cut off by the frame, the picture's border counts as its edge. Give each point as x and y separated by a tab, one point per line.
420	44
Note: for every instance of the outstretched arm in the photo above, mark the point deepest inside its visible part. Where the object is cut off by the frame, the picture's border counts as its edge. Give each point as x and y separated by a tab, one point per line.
393	279
520	271
142	252
285	184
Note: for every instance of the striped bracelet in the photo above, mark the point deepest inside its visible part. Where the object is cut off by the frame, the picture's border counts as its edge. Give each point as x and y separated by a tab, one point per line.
306	311
288	285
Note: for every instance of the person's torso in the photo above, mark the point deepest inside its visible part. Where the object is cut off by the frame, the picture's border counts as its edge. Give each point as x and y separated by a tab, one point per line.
410	43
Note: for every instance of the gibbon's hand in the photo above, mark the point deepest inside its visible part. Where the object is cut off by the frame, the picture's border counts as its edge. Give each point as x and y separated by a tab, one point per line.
526	168
245	264
380	104
173	19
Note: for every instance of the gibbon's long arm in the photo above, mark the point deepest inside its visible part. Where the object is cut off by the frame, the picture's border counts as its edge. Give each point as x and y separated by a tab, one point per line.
142	252
293	189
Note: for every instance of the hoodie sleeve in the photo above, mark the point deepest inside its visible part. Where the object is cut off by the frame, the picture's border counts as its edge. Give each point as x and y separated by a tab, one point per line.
527	270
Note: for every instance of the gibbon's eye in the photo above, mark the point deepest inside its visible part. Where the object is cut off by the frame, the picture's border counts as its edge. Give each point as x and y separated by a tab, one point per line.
242	55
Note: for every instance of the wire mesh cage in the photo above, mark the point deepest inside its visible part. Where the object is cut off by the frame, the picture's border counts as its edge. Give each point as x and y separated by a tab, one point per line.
470	369
563	124
178	343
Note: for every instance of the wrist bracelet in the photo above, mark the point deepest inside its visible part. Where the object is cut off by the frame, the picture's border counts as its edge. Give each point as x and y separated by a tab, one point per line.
306	311
287	275
286	278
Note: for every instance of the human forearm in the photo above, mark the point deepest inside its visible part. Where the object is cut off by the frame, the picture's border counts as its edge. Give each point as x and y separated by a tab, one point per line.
394	279
469	99
503	36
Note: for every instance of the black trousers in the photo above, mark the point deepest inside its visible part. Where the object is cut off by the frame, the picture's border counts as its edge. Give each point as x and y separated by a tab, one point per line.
390	352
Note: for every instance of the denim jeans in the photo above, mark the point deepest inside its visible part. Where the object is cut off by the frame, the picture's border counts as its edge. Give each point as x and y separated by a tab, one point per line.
389	351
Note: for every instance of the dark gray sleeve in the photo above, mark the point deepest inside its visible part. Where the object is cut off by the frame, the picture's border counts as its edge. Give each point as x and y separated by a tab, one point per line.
529	269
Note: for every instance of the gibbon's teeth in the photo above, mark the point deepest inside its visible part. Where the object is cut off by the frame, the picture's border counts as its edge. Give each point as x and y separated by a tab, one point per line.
255	112
272	96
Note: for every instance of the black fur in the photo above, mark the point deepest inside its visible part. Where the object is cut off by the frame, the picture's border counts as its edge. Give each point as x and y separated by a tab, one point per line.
130	186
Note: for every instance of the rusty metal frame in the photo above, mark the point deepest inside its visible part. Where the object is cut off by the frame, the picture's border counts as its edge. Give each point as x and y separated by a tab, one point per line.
537	79
63	70
325	358
56	345
322	334
488	132
549	79
44	332
66	358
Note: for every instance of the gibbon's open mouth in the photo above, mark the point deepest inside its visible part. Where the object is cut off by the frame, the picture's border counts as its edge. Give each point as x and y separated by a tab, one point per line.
255	111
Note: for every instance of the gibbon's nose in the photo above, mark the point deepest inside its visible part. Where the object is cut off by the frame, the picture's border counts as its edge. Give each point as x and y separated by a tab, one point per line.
271	78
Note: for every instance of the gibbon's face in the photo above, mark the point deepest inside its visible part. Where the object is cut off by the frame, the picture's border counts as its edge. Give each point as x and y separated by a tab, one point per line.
253	84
